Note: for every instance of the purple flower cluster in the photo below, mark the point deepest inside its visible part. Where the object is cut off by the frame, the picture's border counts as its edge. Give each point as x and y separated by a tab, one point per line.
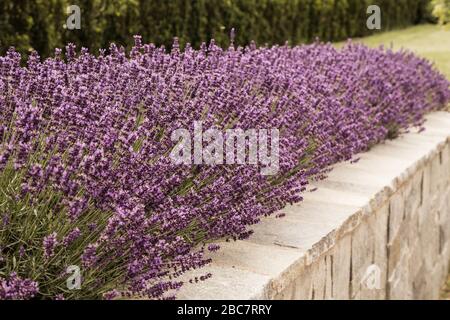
15	288
96	130
50	242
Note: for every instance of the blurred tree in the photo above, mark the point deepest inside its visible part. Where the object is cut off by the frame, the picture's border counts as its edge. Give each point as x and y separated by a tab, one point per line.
38	24
441	10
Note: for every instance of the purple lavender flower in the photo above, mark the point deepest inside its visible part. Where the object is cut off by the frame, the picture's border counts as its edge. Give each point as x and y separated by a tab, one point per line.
213	247
71	237
16	288
59	297
89	257
21	252
110	295
49	244
5	220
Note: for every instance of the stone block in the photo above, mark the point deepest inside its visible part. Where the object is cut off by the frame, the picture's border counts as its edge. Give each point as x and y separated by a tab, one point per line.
421	288
319	279
412	195
397	250
437	179
400	283
303	286
369	257
416	258
445	164
341	268
380	221
429	238
426	190
396	214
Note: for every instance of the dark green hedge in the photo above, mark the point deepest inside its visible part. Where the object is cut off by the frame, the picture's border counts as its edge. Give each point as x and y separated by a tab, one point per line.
38	24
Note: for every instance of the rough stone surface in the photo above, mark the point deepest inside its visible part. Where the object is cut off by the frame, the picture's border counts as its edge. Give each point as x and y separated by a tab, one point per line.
376	229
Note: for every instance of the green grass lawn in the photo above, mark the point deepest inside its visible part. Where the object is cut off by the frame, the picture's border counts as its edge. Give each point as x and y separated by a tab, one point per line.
429	41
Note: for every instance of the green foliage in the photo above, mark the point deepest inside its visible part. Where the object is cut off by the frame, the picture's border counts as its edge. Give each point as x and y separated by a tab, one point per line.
38	24
440	9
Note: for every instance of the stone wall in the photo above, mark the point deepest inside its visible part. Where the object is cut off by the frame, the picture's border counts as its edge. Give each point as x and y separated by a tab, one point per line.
376	229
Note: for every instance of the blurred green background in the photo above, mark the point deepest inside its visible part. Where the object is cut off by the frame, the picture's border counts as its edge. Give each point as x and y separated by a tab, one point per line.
38	24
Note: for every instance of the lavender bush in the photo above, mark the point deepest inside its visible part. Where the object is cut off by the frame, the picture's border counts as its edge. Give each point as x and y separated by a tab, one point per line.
85	176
